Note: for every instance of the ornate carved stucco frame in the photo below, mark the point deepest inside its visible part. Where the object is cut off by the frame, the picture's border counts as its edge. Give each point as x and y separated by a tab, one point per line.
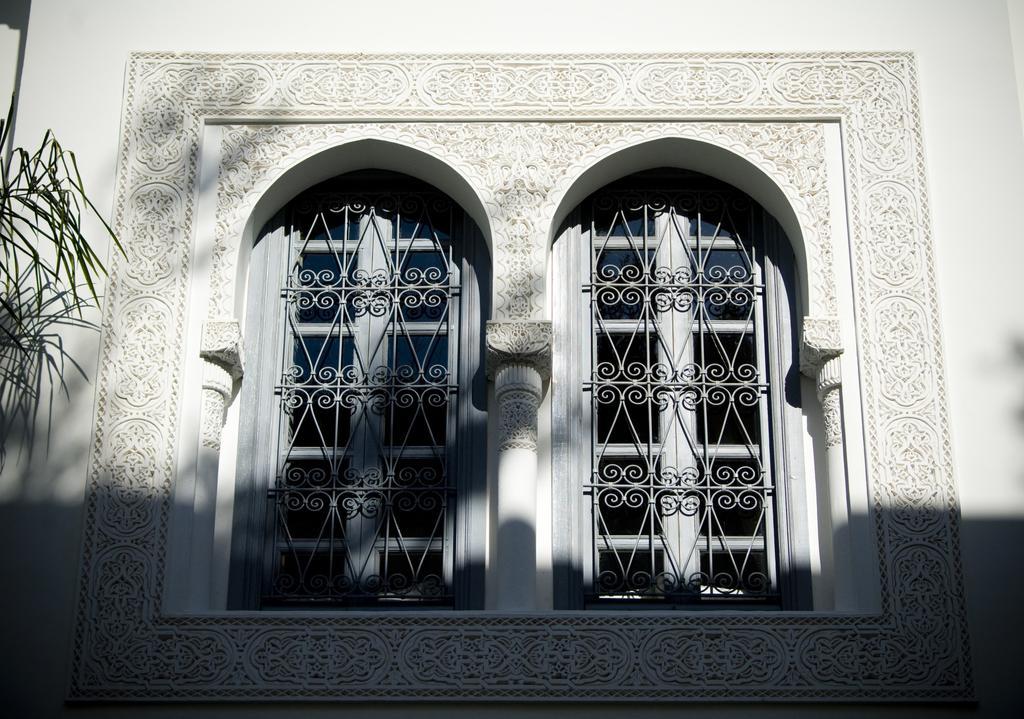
524	126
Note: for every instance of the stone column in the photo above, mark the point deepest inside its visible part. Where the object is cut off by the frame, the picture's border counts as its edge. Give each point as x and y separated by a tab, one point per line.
820	353
221	351
518	362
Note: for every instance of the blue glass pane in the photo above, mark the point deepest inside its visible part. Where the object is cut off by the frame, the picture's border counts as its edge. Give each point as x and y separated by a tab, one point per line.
419	358
725	266
423	280
708	229
422	227
623	225
619	284
319	275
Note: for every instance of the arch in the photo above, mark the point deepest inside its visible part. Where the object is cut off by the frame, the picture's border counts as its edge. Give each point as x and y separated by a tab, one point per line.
714	160
706	327
348	156
368	382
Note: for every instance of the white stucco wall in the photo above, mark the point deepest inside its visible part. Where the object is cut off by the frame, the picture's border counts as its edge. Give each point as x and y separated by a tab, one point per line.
72	82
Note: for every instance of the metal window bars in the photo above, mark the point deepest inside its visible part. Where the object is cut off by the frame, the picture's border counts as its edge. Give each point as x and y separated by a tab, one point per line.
362	498
680	491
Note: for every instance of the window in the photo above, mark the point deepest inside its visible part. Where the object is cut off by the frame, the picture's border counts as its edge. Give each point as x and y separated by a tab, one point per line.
676	289
358	441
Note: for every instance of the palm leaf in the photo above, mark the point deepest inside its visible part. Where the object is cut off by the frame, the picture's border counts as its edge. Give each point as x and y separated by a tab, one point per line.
49	274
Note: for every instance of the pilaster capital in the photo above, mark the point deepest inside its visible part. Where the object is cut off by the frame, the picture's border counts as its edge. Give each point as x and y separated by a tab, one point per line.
820	341
222	345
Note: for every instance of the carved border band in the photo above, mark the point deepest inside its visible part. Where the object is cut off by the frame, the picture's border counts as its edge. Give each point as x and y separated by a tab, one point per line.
547	117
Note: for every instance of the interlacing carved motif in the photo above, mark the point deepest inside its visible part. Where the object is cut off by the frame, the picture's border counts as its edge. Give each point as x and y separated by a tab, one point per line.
517	420
503	162
897	256
462	84
907	370
527	127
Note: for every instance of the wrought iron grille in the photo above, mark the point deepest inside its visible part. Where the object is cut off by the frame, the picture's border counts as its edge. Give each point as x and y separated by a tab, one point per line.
362	499
681	495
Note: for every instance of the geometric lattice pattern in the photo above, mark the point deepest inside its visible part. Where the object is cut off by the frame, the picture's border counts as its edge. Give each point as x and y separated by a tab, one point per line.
680	489
361	496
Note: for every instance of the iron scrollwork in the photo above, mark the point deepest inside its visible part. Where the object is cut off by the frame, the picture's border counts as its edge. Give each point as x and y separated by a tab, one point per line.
362	496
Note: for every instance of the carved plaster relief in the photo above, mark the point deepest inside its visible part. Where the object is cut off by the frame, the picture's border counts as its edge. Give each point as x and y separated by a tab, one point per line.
520	170
536	123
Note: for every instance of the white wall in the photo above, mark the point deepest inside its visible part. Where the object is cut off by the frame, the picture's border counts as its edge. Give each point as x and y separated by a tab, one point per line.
72	82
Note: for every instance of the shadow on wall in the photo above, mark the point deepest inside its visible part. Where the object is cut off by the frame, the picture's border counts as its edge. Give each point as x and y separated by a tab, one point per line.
36	647
40	560
1017	368
15	14
35	366
1004	367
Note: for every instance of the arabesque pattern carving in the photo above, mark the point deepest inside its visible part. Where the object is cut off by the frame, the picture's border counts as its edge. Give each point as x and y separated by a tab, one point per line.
501	161
537	122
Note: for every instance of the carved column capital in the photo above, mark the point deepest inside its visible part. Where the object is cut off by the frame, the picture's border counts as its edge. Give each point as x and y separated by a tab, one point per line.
520	343
820	348
222	345
820	340
221	350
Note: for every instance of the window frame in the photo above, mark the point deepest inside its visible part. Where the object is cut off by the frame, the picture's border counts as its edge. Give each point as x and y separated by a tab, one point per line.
572	438
268	332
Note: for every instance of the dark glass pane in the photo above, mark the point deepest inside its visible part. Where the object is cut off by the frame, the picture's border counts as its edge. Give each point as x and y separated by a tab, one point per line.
620	280
725	267
418	514
423	277
417	499
416	413
729	357
630	573
318	407
321	269
328	227
307	502
623	224
623	493
420	358
306	574
417	417
426	226
725	418
319	280
626	356
708	227
311	424
625	413
735	572
317	359
421	267
413	573
624	420
729	413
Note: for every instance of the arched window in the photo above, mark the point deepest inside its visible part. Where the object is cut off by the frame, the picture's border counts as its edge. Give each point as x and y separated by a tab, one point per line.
677	290
359	447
